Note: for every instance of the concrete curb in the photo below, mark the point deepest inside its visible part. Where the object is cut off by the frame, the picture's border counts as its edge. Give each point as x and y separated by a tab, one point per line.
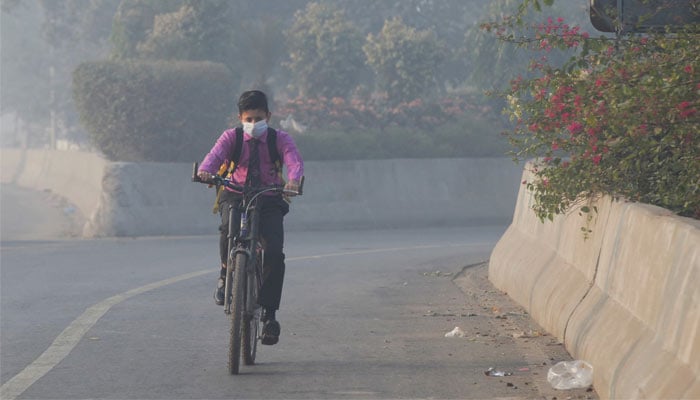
626	299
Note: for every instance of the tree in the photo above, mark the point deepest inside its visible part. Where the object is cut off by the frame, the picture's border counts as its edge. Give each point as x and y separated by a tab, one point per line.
71	22
621	117
199	30
490	62
325	52
133	21
405	60
24	78
36	83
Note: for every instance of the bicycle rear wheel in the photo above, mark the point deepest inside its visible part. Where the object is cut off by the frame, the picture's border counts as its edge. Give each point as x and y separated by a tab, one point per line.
251	324
237	310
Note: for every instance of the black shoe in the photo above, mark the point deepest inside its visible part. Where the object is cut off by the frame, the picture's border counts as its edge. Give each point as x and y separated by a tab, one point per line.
219	292
270	332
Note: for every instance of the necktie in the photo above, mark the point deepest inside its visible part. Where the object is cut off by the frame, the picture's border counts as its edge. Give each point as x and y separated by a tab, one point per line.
253	177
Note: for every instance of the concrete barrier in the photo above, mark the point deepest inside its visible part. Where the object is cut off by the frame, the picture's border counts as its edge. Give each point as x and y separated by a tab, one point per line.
626	298
145	199
75	175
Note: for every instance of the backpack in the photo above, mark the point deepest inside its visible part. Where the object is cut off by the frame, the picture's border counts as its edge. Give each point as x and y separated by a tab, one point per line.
227	170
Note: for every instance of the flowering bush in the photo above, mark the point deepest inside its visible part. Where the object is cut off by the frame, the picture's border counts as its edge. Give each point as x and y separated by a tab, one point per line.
336	129
621	117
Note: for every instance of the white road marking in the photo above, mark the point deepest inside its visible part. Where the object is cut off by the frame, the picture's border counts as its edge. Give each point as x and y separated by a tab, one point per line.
71	336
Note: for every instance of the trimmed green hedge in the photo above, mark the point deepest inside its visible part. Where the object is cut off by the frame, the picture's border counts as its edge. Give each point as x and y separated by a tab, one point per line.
464	137
160	111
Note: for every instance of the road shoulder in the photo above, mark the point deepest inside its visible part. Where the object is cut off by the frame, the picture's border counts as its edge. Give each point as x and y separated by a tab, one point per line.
507	323
28	214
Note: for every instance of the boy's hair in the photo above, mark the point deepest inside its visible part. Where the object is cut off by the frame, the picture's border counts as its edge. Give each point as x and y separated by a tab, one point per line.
252	100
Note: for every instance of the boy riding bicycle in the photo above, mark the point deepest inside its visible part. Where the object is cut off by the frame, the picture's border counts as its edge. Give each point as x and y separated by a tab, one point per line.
254	114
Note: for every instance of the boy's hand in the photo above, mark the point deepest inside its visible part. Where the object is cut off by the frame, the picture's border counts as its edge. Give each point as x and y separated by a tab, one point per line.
205	176
291	188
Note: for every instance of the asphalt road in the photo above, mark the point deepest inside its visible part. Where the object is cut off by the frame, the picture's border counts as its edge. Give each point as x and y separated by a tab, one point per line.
364	315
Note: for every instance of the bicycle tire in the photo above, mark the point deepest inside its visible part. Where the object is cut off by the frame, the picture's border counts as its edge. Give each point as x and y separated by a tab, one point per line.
237	309
251	323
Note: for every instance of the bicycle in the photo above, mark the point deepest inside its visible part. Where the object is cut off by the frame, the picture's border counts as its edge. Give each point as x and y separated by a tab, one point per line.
242	287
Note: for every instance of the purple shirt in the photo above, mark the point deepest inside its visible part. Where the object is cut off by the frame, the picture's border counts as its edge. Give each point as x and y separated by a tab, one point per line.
223	150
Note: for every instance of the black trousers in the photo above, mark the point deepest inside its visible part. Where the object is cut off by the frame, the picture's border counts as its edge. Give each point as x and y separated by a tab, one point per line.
272	210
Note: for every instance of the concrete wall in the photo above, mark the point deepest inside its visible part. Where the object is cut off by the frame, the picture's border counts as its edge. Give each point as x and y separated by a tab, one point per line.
626	299
139	199
77	176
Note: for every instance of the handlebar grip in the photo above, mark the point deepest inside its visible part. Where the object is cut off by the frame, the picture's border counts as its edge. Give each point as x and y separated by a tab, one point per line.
195	177
301	186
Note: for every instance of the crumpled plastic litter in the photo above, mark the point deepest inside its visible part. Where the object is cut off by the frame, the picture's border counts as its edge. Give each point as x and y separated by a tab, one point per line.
456	332
570	375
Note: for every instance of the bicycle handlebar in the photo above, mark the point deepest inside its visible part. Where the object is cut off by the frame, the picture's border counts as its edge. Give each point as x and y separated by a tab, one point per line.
219	180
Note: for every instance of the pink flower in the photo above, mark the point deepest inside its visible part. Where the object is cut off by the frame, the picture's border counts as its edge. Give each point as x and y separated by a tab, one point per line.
575	127
685	110
596	159
555	146
688	113
688	68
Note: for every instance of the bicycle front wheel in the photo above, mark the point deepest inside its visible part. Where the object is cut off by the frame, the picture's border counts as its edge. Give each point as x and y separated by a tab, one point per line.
251	323
237	310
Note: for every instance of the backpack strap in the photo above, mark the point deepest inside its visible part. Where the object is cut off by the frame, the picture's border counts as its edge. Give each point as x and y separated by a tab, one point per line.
236	156
227	169
272	146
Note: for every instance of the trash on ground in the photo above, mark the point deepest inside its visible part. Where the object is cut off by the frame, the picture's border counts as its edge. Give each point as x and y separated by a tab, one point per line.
570	375
456	332
495	372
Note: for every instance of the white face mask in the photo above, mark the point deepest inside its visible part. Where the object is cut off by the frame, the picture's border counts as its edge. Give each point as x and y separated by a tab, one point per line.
255	129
